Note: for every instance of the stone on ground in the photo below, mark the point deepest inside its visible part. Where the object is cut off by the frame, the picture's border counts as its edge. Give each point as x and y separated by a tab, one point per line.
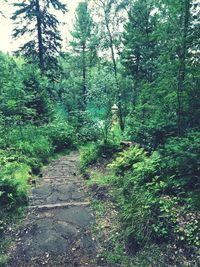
56	231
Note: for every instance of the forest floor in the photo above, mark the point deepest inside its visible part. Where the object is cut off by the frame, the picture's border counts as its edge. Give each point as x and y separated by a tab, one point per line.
56	230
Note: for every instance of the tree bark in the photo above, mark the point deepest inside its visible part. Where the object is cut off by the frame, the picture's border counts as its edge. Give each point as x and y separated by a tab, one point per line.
39	35
111	45
84	75
182	66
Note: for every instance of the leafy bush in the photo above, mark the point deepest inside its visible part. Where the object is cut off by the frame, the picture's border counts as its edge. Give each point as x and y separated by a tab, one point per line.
92	152
24	149
136	173
61	134
124	162
13	185
181	163
29	145
148	213
88	155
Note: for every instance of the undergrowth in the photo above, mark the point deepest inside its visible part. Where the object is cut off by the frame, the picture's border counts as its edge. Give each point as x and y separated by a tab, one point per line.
91	153
23	151
156	201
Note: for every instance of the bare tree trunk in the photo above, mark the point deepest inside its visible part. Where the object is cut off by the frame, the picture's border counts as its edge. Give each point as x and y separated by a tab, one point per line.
111	45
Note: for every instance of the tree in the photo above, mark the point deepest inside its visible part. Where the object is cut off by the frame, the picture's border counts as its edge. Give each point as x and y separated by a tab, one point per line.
110	21
180	26
35	20
160	54
140	44
23	93
1	13
84	42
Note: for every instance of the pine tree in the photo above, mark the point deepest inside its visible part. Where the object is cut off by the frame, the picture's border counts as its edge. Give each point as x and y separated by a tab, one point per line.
36	21
84	42
140	44
179	38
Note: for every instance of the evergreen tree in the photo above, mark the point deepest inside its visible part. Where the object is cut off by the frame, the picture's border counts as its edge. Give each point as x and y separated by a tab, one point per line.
180	49
84	42
140	44
35	20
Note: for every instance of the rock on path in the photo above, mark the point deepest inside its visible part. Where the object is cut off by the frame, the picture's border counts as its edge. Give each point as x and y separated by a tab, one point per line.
56	230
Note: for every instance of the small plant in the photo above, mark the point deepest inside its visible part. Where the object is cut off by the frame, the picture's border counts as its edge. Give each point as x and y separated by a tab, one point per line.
4	260
88	155
13	185
148	213
93	152
126	160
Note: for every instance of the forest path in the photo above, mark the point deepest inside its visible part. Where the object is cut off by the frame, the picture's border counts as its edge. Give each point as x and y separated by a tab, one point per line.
56	231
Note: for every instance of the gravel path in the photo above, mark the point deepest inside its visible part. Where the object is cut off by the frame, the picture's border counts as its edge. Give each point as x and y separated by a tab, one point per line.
56	231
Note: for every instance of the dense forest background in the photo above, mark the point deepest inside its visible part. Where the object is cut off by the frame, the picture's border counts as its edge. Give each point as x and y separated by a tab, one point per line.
138	59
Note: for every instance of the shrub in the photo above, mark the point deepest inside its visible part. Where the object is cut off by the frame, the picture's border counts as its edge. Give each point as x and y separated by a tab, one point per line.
61	134
92	152
24	149
13	185
180	163
136	175
126	160
29	145
88	132
148	213
88	155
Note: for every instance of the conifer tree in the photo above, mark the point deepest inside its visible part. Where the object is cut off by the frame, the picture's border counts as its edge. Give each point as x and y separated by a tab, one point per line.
36	22
140	44
84	42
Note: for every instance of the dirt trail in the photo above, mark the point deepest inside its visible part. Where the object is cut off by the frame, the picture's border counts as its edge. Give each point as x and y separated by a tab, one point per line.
56	230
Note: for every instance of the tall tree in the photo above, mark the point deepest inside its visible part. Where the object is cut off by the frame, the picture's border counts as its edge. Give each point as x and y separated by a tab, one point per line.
36	20
1	13
140	44
180	26
84	42
110	21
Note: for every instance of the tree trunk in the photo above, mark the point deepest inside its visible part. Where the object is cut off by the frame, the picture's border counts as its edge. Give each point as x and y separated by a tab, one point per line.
136	81
84	76
39	32
121	118
182	66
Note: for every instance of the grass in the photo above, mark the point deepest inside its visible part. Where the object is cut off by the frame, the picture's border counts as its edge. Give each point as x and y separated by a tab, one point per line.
4	246
98	178
4	260
106	228
59	154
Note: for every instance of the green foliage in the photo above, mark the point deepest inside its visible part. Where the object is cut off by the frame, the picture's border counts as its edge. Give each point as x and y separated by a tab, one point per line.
135	173
87	130
13	185
93	152
154	82
3	260
60	133
181	161
24	97
28	144
150	209
44	41
88	155
126	159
